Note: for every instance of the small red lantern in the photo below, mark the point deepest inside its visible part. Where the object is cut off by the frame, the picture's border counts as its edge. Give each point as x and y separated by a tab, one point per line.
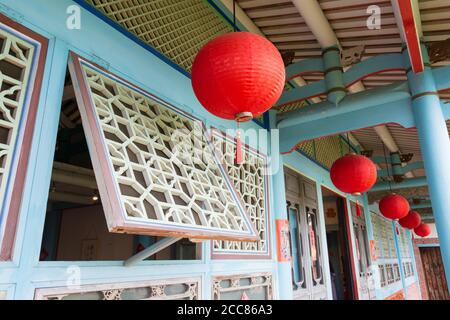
353	174
394	206
238	76
423	230
411	221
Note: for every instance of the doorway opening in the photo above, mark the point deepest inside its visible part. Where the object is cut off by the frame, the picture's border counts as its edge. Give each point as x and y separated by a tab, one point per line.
339	248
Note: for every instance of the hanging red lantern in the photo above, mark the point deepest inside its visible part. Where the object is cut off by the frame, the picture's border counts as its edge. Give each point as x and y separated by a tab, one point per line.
394	206
353	174
411	221
238	76
423	230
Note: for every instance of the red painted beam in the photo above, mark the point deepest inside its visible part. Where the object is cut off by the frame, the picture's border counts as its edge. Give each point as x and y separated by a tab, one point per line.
411	35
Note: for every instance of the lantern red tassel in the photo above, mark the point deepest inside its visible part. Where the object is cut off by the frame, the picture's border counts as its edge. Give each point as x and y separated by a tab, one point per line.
238	155
423	230
353	174
394	206
358	210
411	221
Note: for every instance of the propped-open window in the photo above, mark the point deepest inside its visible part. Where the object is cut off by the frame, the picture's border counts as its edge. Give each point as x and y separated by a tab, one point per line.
156	171
75	225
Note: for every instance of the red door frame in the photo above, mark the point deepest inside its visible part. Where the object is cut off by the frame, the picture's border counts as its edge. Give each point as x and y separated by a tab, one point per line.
349	242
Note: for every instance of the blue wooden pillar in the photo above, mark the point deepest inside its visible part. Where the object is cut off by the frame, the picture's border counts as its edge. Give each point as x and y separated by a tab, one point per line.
279	205
367	216
413	259
333	74
435	147
399	259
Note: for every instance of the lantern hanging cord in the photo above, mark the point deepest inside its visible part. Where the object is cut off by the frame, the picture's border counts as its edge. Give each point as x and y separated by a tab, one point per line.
234	16
387	167
348	143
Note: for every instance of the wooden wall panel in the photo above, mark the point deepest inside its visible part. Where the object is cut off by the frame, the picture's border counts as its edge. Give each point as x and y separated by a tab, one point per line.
434	273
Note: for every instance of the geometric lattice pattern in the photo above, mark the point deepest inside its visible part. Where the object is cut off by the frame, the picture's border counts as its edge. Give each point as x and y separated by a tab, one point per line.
384	236
179	289
403	243
164	169
249	179
177	29
326	150
16	58
376	234
243	287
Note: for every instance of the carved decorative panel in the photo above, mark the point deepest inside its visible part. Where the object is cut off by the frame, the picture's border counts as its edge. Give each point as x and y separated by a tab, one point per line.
250	180
156	169
178	289
256	286
22	55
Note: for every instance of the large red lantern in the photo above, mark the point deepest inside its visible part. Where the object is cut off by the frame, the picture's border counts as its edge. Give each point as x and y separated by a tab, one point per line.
423	230
394	206
411	221
353	174
238	76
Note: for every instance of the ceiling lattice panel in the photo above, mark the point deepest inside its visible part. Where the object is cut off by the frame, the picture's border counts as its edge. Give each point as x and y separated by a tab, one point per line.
325	150
178	29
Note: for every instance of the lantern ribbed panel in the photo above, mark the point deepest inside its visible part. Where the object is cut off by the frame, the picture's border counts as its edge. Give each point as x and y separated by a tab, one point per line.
411	221
394	206
238	72
423	230
353	173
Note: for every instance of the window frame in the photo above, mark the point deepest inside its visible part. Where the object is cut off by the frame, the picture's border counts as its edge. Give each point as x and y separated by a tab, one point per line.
266	254
13	195
117	220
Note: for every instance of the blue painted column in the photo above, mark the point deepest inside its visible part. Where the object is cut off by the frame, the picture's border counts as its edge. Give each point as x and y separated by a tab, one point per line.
435	147
280	212
367	216
413	259
399	259
333	74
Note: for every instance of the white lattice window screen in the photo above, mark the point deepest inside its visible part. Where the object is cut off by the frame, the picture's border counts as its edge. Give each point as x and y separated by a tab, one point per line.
16	58
404	243
249	179
178	289
165	171
384	237
237	286
376	234
390	232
